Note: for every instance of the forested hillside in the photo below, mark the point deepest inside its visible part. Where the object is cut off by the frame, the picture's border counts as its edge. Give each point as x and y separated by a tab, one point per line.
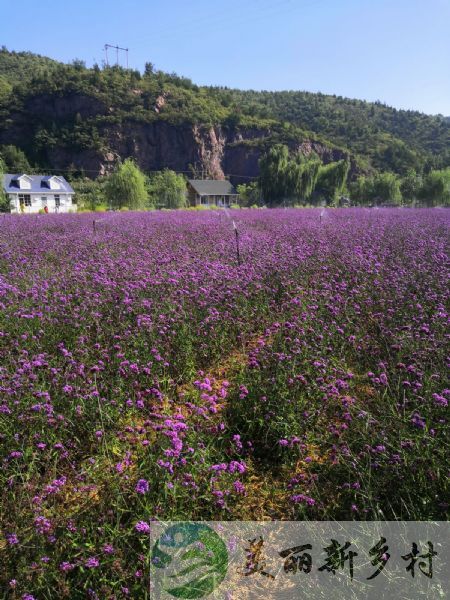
72	118
391	138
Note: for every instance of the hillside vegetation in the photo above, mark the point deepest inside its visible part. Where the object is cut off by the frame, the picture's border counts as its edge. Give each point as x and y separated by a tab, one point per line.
46	105
392	139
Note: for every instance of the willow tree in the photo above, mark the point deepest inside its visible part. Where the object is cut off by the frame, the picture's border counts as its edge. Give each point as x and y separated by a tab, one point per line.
284	178
302	173
294	173
410	185
386	188
273	179
310	174
436	188
332	179
167	189
126	187
361	190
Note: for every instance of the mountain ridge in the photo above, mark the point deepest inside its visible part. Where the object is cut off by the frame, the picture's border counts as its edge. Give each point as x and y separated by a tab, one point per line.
67	116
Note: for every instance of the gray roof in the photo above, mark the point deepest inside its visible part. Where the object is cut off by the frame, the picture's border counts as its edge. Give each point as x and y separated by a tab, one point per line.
212	187
39	184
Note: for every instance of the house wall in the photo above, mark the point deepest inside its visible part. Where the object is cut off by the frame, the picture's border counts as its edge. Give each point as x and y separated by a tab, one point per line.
214	200
37	204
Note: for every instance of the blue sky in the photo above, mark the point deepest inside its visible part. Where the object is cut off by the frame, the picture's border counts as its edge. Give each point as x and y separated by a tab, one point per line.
395	51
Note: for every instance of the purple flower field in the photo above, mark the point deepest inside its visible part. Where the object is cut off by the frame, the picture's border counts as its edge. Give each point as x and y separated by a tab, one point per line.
145	375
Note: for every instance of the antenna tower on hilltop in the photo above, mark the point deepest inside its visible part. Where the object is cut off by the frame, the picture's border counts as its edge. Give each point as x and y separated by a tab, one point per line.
116	48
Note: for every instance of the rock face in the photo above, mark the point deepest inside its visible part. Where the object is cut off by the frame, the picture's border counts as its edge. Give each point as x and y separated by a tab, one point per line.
211	144
210	151
214	152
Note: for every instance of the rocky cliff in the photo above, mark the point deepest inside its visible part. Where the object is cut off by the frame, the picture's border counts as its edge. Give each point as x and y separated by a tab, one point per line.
215	152
79	131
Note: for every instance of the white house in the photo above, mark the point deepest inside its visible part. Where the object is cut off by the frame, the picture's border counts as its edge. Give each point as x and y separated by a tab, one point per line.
33	193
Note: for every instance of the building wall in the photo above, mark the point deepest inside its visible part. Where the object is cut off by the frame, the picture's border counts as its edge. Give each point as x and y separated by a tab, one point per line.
214	200
37	202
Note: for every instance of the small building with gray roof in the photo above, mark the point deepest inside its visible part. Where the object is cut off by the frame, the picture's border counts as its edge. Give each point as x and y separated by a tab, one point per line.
211	192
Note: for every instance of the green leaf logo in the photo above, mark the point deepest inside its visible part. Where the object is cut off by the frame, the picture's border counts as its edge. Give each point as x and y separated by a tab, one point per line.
194	559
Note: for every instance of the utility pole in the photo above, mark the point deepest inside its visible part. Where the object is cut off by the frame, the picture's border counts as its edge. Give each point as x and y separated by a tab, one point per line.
116	48
236	233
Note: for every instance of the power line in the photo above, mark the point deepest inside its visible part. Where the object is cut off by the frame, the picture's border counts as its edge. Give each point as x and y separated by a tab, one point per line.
145	171
226	18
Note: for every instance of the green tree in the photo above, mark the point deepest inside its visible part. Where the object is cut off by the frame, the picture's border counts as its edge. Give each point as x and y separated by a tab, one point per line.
273	179
332	179
5	89
411	185
436	188
15	159
126	187
284	178
398	157
386	188
167	189
361	190
249	193
149	68
382	188
89	193
78	64
303	175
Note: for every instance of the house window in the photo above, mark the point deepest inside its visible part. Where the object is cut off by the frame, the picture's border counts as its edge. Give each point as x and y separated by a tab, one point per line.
25	199
44	201
57	201
204	200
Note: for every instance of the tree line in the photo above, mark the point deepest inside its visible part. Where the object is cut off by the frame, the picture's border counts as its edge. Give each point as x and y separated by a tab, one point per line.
289	179
128	188
286	179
